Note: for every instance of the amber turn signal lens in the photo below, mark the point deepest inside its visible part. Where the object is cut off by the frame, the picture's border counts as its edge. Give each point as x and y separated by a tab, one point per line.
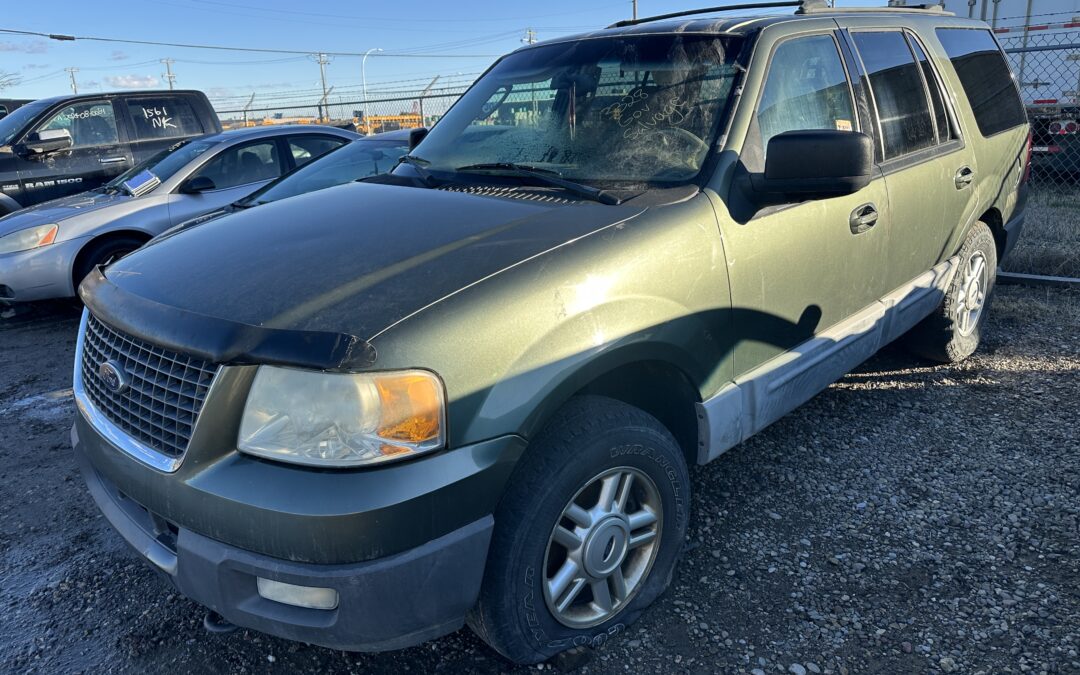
411	408
49	237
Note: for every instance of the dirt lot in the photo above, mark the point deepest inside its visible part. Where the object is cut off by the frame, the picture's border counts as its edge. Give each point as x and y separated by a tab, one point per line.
913	518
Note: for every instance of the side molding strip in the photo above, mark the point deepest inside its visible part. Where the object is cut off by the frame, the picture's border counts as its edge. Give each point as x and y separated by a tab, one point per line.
763	395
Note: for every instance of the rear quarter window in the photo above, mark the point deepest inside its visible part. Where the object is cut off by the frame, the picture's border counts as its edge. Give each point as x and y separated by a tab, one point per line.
163	117
985	76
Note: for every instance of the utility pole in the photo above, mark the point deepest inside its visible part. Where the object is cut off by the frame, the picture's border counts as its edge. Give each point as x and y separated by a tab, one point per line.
424	93
247	108
634	2
530	37
169	77
363	76
74	85
322	61
324	105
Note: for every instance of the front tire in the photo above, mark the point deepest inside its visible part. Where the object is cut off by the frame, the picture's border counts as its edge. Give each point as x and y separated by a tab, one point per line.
588	533
952	333
102	252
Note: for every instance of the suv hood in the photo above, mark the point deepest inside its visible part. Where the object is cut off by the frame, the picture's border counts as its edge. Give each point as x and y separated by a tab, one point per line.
61	209
351	259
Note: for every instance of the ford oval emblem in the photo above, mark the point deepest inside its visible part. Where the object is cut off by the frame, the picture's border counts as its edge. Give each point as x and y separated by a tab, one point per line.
113	377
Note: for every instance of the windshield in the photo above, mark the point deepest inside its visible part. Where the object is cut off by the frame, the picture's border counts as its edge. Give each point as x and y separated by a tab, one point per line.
11	125
165	163
631	109
349	162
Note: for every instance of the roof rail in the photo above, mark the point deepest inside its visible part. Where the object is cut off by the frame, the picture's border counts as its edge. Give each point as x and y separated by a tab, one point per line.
804	7
726	8
935	8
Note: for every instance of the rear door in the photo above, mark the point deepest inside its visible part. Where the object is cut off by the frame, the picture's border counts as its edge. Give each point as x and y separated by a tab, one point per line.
305	147
236	172
158	121
98	153
928	167
995	118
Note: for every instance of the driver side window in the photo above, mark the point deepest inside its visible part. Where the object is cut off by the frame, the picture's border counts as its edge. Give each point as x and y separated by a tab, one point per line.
806	88
90	123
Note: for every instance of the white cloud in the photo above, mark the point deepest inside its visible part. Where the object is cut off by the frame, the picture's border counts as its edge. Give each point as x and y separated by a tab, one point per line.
35	66
132	81
32	47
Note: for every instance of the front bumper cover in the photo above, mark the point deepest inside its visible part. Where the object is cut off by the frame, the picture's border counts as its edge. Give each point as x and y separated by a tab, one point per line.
387	603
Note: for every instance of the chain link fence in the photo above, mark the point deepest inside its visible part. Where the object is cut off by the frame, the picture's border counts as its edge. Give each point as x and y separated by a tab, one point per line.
366	117
1047	67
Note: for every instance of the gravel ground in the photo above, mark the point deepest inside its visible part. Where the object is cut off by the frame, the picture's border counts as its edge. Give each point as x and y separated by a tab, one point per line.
911	519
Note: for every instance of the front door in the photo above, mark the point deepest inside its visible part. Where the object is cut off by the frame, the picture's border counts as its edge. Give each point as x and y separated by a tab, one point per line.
927	167
97	155
798	269
235	172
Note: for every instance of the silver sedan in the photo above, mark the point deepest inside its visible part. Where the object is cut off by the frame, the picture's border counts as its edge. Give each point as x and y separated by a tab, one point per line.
45	250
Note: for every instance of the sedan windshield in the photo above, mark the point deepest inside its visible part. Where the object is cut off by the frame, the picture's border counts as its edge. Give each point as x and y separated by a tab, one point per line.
165	163
623	110
350	162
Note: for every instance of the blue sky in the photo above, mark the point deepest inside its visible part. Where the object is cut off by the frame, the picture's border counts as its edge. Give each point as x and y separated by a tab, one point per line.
480	28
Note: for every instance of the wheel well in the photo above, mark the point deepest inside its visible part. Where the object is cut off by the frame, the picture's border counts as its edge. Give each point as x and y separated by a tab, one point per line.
994	221
660	389
142	237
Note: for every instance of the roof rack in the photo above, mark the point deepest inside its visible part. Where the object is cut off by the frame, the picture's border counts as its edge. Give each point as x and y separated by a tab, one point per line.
894	7
804	7
711	10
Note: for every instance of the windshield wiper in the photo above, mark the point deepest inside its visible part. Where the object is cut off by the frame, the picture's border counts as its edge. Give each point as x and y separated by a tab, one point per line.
549	177
418	164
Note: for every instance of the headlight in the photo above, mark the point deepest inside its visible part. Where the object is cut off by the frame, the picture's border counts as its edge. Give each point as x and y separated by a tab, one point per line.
342	419
31	237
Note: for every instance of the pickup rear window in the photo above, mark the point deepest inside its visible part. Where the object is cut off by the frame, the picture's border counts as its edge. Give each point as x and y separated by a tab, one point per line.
163	117
985	77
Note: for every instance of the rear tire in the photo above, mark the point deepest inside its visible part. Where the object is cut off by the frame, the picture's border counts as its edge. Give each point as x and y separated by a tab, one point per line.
556	581
102	252
952	333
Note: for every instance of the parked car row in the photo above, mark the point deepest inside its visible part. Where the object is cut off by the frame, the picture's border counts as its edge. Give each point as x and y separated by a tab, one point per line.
469	390
48	248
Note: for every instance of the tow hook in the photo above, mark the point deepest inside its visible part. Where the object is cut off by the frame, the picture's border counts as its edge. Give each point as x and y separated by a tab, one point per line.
215	623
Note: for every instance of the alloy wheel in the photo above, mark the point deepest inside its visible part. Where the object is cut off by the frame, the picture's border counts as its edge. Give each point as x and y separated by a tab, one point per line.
972	297
602	548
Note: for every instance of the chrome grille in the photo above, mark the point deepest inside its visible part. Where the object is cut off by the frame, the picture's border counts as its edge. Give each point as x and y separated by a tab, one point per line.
164	390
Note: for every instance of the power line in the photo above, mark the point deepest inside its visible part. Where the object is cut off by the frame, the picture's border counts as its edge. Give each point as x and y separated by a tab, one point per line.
409	20
259	50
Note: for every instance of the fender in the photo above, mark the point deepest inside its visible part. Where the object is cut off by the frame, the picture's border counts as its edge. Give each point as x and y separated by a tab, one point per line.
8	205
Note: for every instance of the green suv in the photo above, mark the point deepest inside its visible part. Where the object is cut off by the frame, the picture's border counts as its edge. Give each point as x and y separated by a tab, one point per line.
469	391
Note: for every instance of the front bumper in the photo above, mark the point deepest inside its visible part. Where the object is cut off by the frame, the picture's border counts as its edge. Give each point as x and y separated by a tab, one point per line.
391	602
39	274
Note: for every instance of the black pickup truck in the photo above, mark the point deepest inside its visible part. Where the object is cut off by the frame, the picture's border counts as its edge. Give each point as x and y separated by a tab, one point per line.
58	146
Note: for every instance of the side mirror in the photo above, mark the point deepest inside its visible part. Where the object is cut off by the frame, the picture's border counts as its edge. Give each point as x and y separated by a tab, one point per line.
416	135
197	185
814	164
48	141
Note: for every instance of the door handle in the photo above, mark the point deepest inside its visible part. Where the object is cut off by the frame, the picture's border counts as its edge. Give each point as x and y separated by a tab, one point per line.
963	178
111	160
863	218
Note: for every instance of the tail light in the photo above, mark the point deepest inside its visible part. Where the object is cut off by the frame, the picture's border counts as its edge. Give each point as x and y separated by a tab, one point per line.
1026	170
1062	127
